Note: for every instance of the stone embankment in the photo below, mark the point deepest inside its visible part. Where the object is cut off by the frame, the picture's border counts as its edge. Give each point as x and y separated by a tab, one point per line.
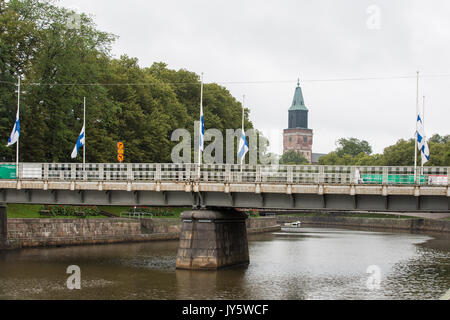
26	233
428	225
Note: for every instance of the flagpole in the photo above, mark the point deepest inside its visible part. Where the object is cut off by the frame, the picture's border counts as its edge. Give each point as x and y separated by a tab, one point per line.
417	114
84	126
201	128
18	139
243	127
200	152
423	124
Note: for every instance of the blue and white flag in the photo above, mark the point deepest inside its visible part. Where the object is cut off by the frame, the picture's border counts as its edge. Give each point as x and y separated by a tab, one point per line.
420	132
80	143
202	131
243	146
421	140
425	152
15	134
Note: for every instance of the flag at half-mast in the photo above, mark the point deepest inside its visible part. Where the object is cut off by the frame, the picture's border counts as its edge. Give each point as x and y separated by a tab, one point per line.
421	140
15	134
243	143
202	130
80	143
243	146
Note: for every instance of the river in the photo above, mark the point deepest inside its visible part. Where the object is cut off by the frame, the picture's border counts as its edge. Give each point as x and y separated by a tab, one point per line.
314	263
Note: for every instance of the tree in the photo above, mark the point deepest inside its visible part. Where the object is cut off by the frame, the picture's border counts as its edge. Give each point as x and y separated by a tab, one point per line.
439	151
400	154
56	62
353	147
293	157
439	139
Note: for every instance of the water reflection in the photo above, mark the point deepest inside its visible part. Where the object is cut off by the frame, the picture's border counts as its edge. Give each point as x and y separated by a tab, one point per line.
315	263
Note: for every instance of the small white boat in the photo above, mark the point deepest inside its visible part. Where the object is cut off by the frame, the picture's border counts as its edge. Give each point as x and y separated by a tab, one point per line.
293	225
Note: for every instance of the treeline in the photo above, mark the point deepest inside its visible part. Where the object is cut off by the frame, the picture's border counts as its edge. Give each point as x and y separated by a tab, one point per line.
60	62
359	153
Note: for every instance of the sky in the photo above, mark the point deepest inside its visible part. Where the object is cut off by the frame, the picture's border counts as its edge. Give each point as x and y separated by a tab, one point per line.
260	48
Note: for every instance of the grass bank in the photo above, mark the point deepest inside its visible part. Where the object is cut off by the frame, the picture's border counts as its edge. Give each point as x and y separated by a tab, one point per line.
28	211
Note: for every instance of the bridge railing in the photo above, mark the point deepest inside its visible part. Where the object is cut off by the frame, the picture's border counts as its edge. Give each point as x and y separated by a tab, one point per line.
222	173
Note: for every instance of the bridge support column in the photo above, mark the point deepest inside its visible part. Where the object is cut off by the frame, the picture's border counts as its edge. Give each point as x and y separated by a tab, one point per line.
3	226
211	240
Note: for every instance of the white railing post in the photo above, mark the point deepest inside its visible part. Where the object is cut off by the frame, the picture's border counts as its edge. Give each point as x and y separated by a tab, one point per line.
385	175
228	173
187	172
20	171
45	171
258	174
108	174
181	173
73	172
352	179
158	172
101	172
206	174
85	174
448	176
290	174
130	172
321	175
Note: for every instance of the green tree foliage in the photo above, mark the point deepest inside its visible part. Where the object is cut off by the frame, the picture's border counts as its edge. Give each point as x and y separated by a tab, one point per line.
399	154
293	157
58	64
439	150
353	147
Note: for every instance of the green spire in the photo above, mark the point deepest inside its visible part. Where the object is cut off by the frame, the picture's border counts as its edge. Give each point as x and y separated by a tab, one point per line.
298	103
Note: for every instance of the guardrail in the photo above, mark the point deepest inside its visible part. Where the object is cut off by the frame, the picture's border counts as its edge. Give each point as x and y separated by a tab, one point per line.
136	215
222	173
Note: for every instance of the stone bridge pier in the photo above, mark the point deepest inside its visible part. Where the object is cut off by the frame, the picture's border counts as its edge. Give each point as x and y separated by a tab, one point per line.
213	239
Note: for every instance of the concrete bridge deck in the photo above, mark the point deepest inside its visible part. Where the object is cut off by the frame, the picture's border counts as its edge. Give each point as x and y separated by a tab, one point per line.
273	187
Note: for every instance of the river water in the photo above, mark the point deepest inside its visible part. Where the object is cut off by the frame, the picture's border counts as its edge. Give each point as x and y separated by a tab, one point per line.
314	263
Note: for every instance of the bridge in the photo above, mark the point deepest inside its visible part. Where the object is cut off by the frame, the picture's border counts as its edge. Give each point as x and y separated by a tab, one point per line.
217	237
233	186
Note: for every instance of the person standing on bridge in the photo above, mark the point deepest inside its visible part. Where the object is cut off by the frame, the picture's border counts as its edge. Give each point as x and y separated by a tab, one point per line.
358	179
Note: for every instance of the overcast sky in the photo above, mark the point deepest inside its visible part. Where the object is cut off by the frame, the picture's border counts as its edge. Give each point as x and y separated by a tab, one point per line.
279	41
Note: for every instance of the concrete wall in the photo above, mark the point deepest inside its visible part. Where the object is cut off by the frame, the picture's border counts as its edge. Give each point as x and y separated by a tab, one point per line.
382	223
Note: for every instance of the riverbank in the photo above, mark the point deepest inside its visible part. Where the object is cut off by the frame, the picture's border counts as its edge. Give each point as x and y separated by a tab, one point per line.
54	232
410	224
32	233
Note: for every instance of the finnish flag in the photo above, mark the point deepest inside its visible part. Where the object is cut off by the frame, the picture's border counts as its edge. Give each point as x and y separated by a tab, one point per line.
202	130
243	146
15	134
425	152
80	143
421	140
420	132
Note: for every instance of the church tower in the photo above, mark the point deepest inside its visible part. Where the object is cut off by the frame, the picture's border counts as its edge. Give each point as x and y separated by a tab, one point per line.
298	136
